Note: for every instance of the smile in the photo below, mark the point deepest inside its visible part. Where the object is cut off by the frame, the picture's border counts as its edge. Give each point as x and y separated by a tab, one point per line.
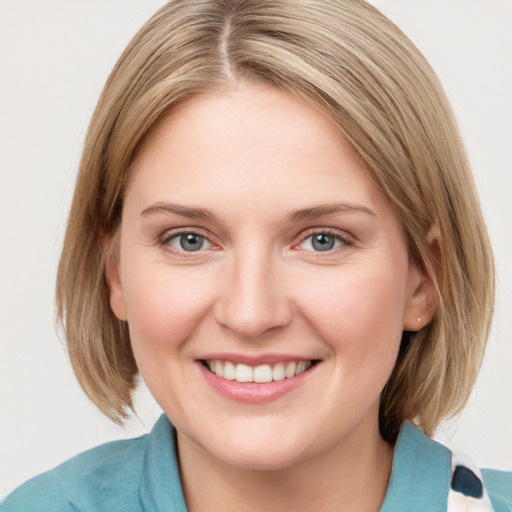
260	374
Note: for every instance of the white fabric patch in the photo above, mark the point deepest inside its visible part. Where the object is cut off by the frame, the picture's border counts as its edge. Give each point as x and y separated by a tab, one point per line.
459	502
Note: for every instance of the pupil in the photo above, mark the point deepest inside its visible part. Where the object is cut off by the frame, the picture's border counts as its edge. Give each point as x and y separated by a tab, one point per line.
322	242
191	242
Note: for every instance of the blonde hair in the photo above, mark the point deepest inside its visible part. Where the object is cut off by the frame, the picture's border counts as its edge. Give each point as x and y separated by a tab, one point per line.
346	59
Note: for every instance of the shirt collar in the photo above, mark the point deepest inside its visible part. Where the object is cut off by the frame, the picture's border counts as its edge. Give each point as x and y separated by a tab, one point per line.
160	487
420	474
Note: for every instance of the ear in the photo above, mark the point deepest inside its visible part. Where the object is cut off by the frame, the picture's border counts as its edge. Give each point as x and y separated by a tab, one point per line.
115	288
422	299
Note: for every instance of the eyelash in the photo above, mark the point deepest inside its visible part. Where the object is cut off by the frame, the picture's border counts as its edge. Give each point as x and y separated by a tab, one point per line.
344	239
165	239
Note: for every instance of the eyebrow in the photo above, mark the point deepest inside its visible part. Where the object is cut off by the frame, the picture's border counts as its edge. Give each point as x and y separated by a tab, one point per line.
184	211
294	216
327	209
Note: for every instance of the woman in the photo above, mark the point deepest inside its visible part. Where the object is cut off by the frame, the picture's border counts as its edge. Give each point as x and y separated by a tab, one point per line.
275	224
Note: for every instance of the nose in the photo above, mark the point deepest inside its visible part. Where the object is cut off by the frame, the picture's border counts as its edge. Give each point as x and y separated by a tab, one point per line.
253	300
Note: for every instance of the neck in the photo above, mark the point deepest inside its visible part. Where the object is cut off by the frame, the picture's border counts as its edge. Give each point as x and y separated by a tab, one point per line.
352	476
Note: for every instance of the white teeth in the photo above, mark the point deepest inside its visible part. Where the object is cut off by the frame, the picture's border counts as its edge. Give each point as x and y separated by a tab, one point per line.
243	373
219	369
289	372
278	372
229	371
302	367
262	373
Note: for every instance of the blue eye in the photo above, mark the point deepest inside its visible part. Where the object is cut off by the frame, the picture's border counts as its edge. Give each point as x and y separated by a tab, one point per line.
191	242
188	242
322	242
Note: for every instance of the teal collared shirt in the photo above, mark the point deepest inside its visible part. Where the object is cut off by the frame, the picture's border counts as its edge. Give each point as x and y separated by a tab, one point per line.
142	475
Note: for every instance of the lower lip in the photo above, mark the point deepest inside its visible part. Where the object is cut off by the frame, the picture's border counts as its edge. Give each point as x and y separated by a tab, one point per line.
254	392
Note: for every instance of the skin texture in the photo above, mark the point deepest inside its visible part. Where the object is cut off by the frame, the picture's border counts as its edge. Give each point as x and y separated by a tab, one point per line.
252	156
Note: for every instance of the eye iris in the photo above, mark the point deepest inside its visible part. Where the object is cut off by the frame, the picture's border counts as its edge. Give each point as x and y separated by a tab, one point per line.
191	242
322	242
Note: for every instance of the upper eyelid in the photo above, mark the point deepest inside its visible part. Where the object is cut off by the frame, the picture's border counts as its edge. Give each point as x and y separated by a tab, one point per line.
346	243
164	242
341	234
174	232
165	238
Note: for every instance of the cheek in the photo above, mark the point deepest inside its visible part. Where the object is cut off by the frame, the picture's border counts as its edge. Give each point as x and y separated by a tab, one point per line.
164	307
357	309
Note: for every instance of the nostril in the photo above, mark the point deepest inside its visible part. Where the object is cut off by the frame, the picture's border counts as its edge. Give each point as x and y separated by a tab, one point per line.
251	301
250	321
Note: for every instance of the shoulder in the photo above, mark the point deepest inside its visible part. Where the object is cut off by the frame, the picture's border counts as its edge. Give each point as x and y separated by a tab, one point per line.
499	488
427	472
104	478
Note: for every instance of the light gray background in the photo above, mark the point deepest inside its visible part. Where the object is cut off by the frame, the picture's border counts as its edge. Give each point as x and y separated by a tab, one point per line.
54	58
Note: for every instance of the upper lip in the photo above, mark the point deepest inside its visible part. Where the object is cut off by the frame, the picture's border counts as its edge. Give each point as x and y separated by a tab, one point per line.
255	360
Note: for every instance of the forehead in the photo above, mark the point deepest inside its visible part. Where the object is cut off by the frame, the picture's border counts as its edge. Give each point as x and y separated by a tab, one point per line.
252	142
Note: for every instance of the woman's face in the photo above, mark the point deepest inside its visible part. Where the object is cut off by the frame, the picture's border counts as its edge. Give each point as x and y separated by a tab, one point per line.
254	247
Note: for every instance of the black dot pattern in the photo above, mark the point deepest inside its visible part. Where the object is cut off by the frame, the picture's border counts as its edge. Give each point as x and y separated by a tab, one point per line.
466	482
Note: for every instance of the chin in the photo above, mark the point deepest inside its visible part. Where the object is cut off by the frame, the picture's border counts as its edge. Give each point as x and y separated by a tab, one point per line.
260	450
260	459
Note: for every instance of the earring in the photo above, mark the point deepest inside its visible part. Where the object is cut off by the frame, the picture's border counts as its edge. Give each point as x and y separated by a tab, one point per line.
419	320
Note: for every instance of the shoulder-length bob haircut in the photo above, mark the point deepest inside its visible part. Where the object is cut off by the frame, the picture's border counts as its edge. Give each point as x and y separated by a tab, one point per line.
350	62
